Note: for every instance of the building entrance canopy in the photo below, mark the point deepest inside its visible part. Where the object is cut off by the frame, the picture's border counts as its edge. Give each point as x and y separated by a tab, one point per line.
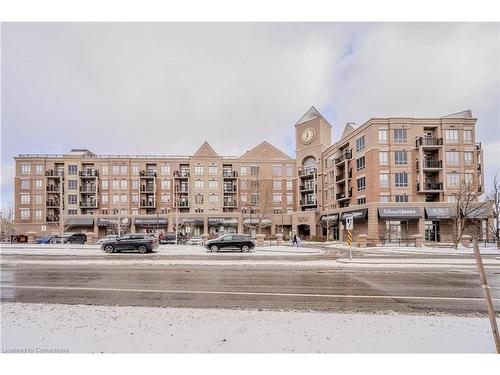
399	213
356	214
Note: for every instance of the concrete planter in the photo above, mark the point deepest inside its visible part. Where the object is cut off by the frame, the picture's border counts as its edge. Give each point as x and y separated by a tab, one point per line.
279	239
260	239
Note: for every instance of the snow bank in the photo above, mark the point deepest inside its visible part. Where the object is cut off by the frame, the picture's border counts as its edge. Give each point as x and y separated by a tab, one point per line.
83	328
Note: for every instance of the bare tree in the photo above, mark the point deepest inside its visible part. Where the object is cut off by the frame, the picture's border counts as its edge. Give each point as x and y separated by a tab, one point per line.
61	226
328	223
119	226
493	197
261	198
7	225
467	209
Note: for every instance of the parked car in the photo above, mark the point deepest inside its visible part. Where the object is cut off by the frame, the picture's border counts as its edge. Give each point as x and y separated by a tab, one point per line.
143	243
195	240
71	238
109	237
46	239
240	242
168	239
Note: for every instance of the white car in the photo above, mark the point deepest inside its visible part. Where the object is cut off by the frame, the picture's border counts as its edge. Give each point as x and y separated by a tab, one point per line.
195	240
107	238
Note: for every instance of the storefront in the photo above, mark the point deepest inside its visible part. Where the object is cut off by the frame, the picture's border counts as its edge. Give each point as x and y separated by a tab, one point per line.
251	226
360	218
222	225
330	226
79	224
191	226
398	223
150	225
107	226
436	220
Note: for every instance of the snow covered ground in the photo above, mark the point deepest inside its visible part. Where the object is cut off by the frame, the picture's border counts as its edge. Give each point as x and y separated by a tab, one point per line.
419	250
83	328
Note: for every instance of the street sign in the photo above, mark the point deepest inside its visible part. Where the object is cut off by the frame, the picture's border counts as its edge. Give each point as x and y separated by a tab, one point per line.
349	223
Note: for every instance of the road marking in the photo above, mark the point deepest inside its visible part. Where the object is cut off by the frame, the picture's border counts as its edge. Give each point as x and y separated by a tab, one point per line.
169	291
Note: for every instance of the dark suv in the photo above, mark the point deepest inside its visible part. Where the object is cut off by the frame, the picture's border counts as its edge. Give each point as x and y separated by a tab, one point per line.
71	238
143	243
240	242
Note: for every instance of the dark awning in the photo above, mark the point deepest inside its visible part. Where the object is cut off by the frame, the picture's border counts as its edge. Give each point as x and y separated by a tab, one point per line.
150	221
256	221
81	221
356	214
399	212
223	221
439	212
330	217
479	213
105	221
192	221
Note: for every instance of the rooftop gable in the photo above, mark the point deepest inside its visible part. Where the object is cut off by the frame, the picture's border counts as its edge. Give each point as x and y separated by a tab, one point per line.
265	150
205	150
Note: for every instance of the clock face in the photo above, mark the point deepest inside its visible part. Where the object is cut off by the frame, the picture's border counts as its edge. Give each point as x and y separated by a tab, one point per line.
308	135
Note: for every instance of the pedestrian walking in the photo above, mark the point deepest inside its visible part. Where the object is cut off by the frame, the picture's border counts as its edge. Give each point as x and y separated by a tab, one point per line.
294	240
297	241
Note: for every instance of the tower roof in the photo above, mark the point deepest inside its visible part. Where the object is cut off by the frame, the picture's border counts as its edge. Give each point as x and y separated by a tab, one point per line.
311	114
205	150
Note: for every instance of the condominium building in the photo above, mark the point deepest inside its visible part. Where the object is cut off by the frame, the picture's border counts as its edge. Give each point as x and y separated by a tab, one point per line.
395	176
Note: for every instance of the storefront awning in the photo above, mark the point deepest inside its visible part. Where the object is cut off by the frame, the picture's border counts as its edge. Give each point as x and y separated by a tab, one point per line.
255	221
439	212
191	221
356	214
150	221
479	213
81	221
104	222
331	217
223	221
399	213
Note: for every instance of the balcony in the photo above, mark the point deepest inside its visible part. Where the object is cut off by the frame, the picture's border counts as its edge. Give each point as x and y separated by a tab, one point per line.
183	173
429	142
88	189
430	164
230	189
229	174
88	204
52	173
89	174
430	187
147	174
308	202
184	204
147	204
53	189
345	156
307	172
181	189
52	219
229	203
147	189
344	195
340	178
52	203
307	187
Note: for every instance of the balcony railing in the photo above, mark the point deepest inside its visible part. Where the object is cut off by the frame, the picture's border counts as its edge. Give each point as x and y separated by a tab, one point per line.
308	202
430	186
90	204
229	174
52	203
307	187
183	173
340	178
424	141
181	189
52	173
145	204
147	189
229	203
345	156
53	188
344	195
430	164
88	189
183	204
92	173
230	189
307	171
52	219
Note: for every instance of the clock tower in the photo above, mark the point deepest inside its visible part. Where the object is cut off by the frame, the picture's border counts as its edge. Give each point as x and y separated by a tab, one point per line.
313	135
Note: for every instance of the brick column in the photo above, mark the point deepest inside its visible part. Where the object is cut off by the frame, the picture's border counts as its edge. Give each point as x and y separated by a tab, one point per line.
205	225
372	224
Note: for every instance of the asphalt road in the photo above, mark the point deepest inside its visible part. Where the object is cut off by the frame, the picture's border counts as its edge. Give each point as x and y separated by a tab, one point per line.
408	290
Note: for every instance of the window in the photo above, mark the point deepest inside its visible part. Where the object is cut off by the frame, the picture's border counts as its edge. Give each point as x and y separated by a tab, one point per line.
243	170
468	157
115	199
105	169
255	198
212	184
198	198
25	213
165	184
198	170
116	184
400	136
243	184
164	198
72	184
72	212
38	198
198	184
116	169
72	169
254	170
382	136
123	170
361	200
467	136
401	179
360	163
289	185
104	198
212	170
39	169
38	214
451	198
212	199
25	184
384	180
25	199
277	185
451	135
452	158
243	198
289	171
276	171
135	198
452	180
254	184
104	184
401	198
72	199
135	211
277	198
25	169
469	178
124	184
38	184
361	184
400	157
383	158
165	169
123	198
384	198
135	170
360	143
289	198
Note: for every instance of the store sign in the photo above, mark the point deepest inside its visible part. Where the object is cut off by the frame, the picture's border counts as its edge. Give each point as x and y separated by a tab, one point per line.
357	214
303	219
439	212
222	221
332	217
151	221
255	221
399	212
104	222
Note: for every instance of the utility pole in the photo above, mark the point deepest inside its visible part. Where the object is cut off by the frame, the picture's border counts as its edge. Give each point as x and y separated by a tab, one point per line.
176	199
61	204
487	295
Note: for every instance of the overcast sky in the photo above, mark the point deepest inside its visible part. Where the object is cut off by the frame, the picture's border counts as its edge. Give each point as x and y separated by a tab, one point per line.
156	88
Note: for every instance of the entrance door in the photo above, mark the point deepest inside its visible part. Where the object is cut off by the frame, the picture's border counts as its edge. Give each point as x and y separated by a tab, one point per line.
432	231
394	232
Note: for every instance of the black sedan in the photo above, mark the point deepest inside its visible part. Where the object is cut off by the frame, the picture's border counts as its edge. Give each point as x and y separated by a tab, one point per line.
142	243
240	242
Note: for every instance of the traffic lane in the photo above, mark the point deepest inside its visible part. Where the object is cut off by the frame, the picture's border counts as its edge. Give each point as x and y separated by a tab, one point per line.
213	287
